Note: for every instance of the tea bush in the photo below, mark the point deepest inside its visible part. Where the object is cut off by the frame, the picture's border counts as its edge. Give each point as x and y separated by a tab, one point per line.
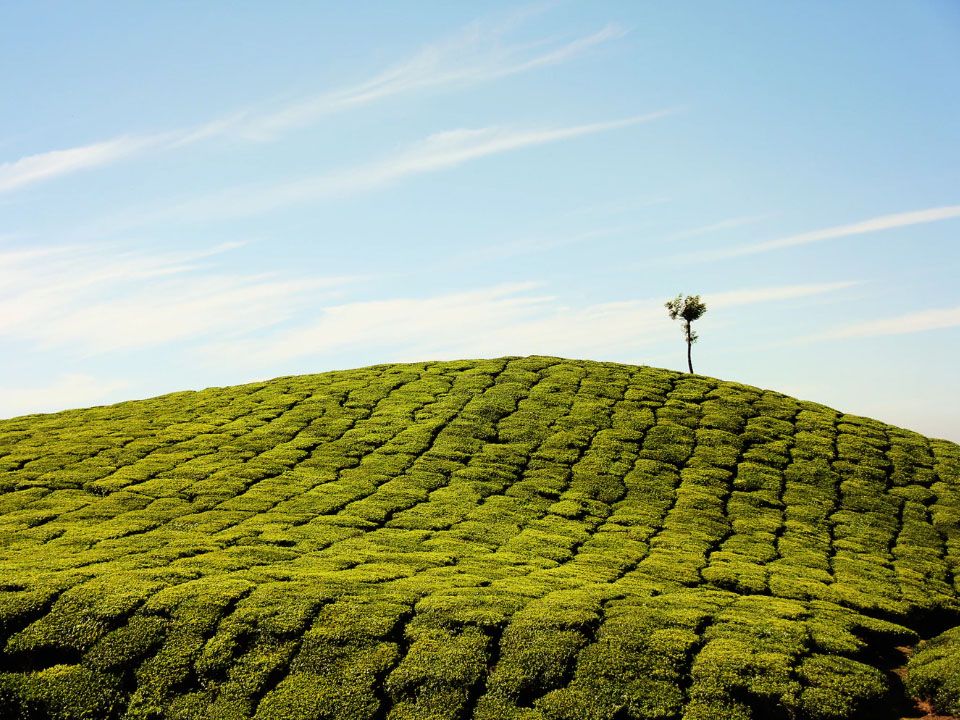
511	539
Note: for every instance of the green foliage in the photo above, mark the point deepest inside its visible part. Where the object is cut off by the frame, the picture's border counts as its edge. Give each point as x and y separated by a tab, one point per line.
64	692
933	672
838	687
688	309
511	539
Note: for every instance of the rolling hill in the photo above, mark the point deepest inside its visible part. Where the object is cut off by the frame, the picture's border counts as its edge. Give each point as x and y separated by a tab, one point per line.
512	539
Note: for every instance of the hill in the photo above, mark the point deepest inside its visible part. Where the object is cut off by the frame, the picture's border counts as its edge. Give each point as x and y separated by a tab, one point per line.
522	538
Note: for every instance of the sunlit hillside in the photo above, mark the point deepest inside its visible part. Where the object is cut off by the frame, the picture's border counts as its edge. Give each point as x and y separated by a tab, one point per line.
513	539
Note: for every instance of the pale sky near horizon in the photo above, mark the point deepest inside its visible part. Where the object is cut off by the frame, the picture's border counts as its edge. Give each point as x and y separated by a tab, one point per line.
197	194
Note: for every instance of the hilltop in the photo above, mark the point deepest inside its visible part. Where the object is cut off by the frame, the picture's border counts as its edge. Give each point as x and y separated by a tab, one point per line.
512	539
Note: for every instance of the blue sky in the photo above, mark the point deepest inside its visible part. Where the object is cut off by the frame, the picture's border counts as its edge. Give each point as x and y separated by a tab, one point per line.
196	194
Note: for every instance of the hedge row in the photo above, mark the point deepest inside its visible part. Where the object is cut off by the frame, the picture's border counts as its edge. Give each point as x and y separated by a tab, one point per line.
522	538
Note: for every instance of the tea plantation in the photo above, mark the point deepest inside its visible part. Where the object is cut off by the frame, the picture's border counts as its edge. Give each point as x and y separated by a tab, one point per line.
513	539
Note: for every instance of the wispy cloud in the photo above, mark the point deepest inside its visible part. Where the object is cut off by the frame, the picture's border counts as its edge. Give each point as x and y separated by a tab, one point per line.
872	225
500	320
753	296
474	55
45	166
719	226
920	321
617	207
535	245
91	300
70	390
435	153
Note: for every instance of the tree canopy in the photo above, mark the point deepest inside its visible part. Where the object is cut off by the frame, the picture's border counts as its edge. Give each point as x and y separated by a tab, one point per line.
687	308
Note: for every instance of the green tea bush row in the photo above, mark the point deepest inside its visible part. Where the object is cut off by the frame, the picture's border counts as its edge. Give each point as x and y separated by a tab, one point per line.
522	538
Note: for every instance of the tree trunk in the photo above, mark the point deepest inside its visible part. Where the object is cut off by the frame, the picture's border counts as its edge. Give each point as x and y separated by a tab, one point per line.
689	348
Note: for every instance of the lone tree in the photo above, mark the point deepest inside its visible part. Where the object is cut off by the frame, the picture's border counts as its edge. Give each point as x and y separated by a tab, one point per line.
688	309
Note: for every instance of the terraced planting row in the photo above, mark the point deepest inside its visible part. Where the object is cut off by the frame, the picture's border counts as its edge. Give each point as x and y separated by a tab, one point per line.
522	539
